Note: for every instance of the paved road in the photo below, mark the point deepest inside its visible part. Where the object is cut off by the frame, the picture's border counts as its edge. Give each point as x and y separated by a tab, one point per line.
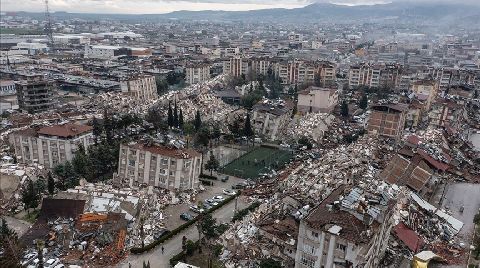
174	245
466	195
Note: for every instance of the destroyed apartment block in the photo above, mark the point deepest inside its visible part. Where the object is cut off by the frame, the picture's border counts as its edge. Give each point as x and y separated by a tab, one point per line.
349	228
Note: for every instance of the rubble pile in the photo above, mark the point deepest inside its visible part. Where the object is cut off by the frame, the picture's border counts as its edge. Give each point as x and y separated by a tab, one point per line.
312	125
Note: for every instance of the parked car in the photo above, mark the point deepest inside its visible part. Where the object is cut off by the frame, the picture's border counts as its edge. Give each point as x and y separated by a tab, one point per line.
211	202
225	179
238	186
229	192
161	233
218	198
186	217
207	205
196	209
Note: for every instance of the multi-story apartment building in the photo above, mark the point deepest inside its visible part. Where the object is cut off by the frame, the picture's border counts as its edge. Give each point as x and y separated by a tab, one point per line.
425	91
379	75
387	120
37	95
160	166
197	73
52	145
235	66
269	119
317	99
141	87
8	96
345	232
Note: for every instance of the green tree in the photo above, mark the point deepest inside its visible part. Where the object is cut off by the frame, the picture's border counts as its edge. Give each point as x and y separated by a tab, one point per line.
212	163
50	183
235	128
175	116
108	125
208	226
190	247
248	130
180	119
304	141
170	115
97	129
295	110
344	109
295	93
11	247
203	136
162	85
363	102
270	263
81	163
317	80
30	197
198	121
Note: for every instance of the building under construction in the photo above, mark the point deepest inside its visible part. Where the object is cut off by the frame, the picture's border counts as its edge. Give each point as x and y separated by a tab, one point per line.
37	95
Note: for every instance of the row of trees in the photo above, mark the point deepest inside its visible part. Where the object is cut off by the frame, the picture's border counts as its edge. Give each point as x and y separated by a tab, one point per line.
11	247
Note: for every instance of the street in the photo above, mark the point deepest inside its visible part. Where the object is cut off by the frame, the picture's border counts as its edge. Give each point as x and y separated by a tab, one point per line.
174	245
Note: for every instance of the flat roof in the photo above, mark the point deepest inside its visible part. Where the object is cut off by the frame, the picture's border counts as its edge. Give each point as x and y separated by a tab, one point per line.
181	153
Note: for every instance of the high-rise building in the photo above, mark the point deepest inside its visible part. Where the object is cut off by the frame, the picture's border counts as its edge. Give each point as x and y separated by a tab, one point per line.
141	87
197	73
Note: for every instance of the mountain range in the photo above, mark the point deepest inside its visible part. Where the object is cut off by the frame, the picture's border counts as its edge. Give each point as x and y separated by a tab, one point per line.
448	13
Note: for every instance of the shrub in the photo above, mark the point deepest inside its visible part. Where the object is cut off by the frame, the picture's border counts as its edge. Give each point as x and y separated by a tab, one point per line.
209	177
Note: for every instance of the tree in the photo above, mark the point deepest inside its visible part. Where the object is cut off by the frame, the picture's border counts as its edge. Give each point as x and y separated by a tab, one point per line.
247	130
180	119
162	85
198	121
235	128
170	115
363	102
270	263
50	184
344	109
189	247
80	162
97	129
208	226
295	110
212	163
11	247
30	197
317	80
203	136
175	116
108	125
295	93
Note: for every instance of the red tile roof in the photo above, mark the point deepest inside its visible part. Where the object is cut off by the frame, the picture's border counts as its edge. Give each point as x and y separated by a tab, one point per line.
409	237
66	130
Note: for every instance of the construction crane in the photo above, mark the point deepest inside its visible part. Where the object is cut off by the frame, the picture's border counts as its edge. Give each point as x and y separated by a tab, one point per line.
48	26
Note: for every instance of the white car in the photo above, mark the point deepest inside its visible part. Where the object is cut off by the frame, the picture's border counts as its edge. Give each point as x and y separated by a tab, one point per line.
196	209
218	198
229	192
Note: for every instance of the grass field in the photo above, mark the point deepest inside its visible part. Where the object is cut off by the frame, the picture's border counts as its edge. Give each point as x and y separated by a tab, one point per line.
257	161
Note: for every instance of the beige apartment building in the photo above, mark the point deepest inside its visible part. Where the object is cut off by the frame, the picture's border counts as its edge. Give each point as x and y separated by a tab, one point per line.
337	234
52	145
387	120
160	166
425	91
317	99
197	73
141	87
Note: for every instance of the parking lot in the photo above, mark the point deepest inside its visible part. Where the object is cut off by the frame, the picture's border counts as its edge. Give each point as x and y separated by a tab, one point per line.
173	211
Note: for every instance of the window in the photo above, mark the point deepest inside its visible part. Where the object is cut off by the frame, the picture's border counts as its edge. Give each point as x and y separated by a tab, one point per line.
163	172
165	161
131	162
309	249
307	261
172	162
341	247
172	173
314	234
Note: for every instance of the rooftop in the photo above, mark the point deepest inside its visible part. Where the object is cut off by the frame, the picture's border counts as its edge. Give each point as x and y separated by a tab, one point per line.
179	153
66	130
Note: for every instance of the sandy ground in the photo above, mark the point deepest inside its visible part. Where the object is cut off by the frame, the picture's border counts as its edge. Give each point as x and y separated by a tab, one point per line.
8	185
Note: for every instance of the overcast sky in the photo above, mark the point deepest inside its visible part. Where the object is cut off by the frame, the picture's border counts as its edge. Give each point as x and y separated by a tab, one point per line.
164	6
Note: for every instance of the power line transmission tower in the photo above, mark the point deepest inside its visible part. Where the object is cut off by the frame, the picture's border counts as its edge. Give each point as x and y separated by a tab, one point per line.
48	26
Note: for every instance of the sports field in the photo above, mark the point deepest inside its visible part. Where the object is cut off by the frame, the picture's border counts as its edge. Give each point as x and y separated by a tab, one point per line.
257	161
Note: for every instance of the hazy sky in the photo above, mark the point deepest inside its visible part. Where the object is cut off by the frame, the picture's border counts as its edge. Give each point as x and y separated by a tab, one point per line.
164	6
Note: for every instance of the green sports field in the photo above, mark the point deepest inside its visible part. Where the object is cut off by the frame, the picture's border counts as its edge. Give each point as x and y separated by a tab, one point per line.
257	161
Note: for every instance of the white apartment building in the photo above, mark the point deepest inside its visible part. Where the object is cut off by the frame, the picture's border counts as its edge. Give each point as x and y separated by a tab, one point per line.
336	235
52	145
198	73
317	99
141	87
159	166
103	51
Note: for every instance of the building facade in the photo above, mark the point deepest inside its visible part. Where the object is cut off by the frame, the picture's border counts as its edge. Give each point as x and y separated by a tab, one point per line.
335	235
269	119
159	166
141	87
52	145
36	96
317	99
387	120
198	73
